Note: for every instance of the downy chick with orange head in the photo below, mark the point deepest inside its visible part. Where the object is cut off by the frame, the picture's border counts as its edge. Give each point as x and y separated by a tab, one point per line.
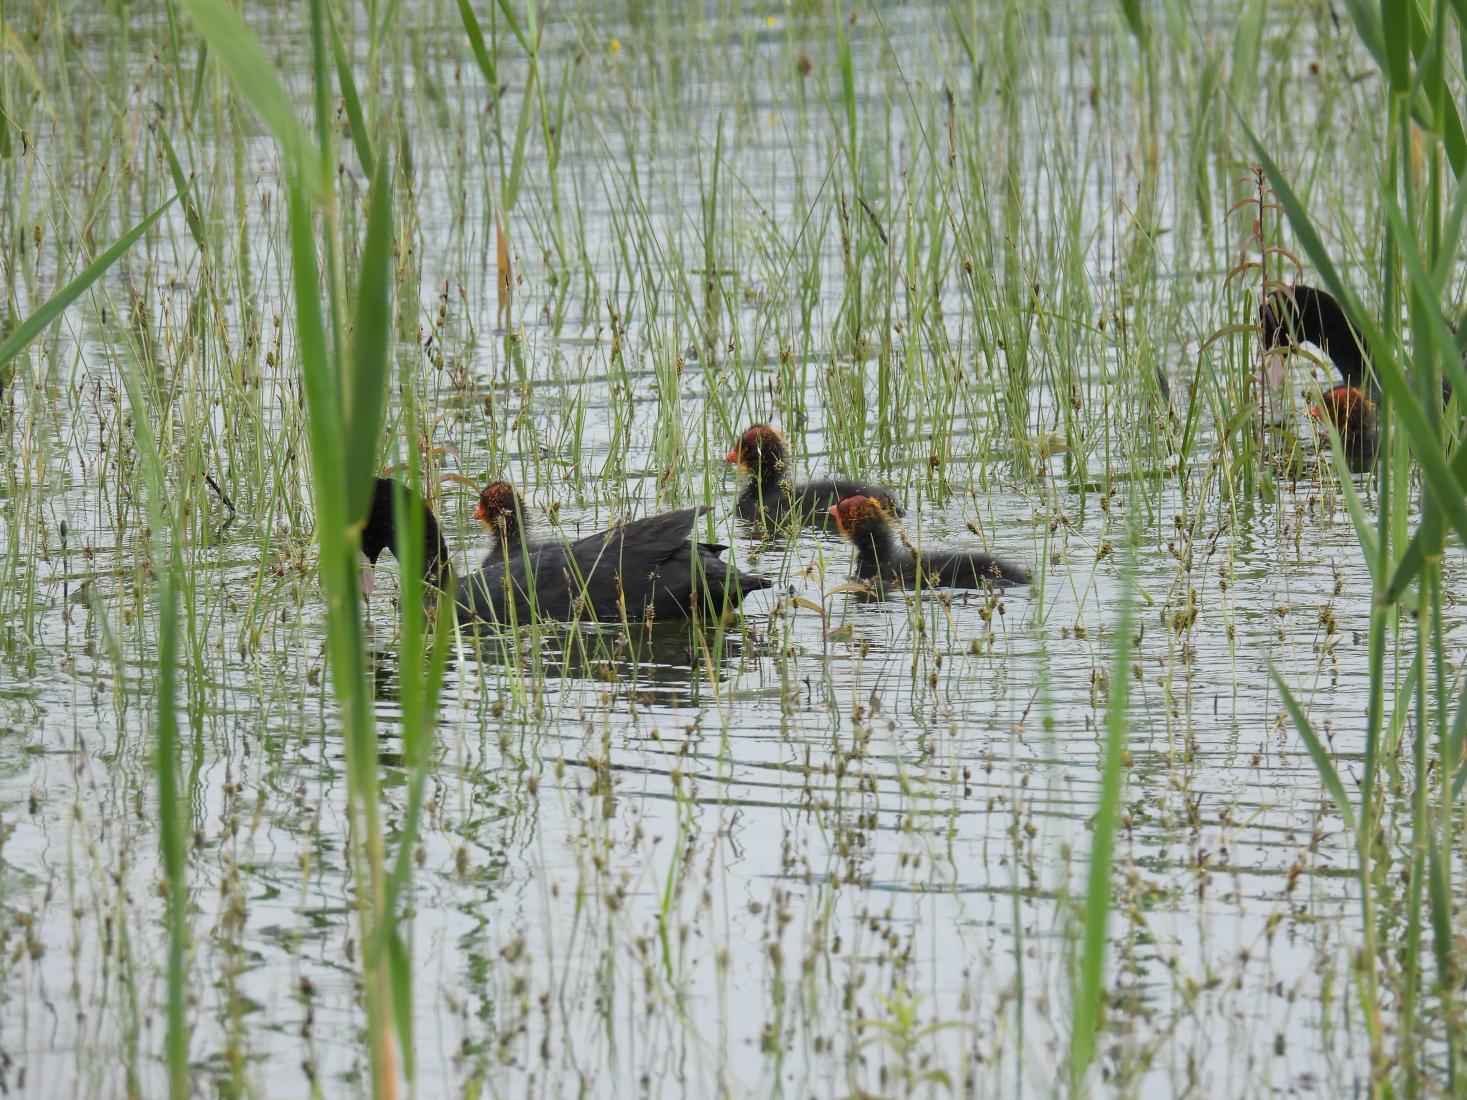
501	510
883	558
772	495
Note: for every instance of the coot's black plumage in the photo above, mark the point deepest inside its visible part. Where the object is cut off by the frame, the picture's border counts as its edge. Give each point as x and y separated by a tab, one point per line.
882	558
1303	314
646	570
384	525
1307	315
501	510
772	496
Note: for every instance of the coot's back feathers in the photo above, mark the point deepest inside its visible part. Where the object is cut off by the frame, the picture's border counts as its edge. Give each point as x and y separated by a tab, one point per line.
1306	314
645	569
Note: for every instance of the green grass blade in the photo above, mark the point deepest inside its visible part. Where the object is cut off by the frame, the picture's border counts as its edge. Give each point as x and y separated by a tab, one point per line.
54	306
1247	47
1366	17
1458	737
514	24
319	379
482	56
1432	288
1396	40
348	85
173	829
181	184
6	149
173	810
239	51
1414	556
1439	910
201	68
366	388
1102	847
1317	752
1135	20
847	83
400	977
522	130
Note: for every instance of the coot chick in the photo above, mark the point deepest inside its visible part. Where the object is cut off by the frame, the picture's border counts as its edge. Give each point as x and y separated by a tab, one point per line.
881	557
501	510
1356	421
643	570
771	496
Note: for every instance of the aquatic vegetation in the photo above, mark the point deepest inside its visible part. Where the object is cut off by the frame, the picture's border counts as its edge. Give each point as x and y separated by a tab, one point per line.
1179	814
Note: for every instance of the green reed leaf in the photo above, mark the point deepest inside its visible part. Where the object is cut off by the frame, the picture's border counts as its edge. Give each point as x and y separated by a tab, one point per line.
239	51
353	103
1135	20
190	208
521	132
5	147
1102	848
366	388
482	56
1396	41
514	24
1317	752
54	306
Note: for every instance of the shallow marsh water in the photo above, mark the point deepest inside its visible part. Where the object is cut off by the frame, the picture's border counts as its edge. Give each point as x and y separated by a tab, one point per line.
837	850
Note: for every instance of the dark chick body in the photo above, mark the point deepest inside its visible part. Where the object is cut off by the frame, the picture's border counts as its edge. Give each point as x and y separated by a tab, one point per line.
1356	421
881	557
772	495
646	569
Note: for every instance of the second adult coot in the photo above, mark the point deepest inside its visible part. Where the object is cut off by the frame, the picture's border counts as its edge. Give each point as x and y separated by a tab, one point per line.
1303	314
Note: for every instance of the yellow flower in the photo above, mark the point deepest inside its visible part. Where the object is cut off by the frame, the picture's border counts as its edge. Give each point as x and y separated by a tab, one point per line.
615	46
770	21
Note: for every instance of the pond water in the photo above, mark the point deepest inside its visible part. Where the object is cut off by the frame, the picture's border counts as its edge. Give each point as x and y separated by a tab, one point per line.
839	849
